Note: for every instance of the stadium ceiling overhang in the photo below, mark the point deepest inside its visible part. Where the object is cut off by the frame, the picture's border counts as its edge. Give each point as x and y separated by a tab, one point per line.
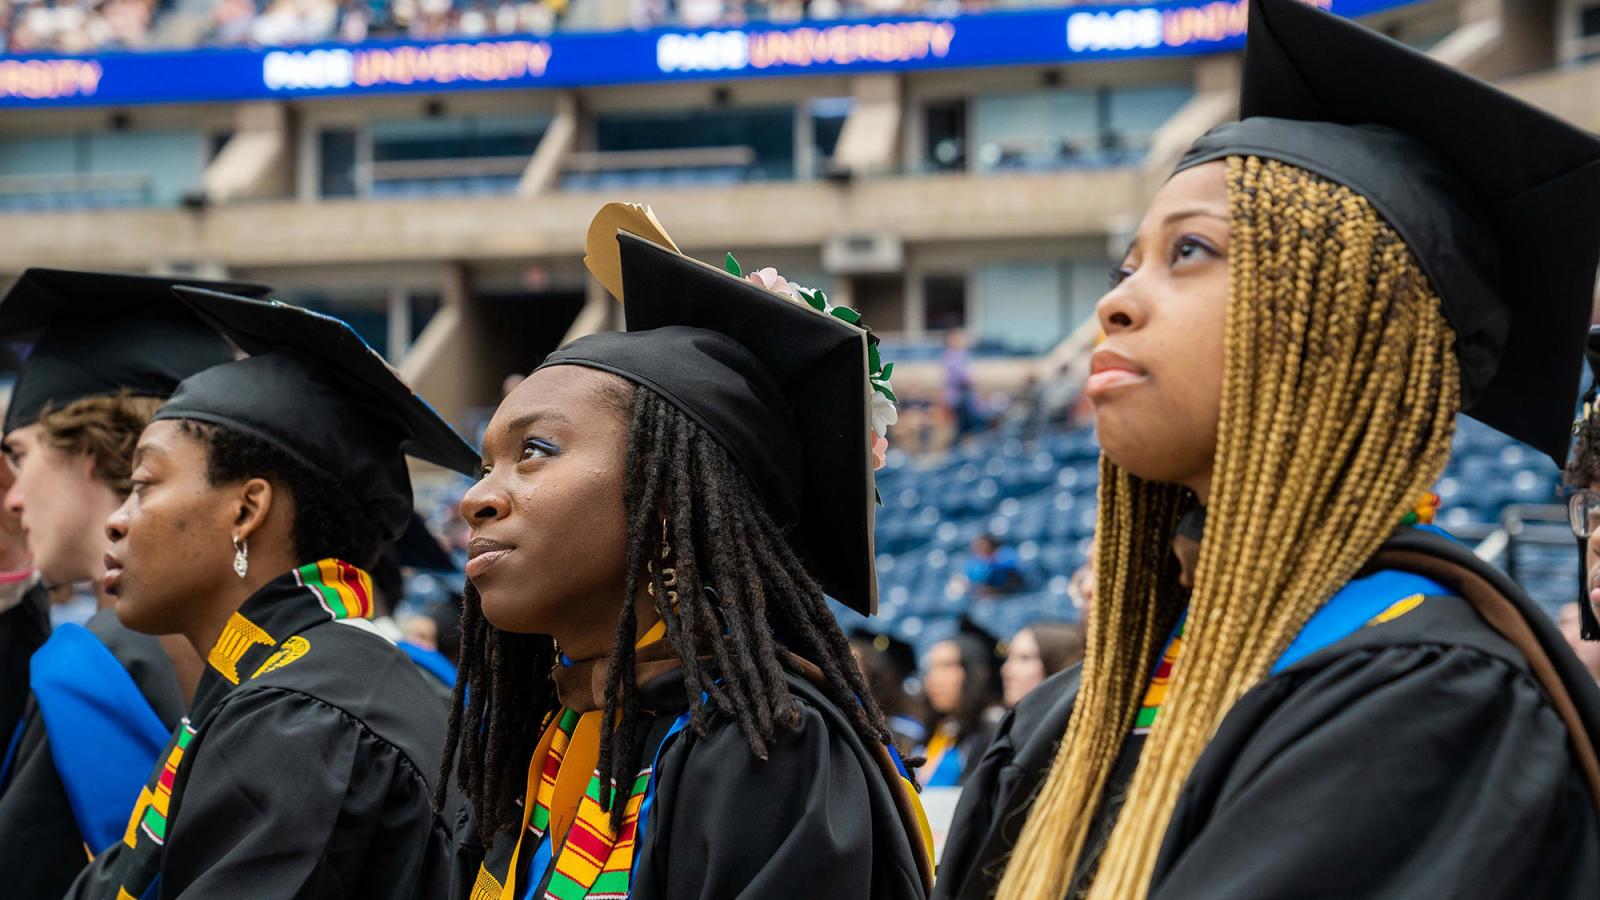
569	59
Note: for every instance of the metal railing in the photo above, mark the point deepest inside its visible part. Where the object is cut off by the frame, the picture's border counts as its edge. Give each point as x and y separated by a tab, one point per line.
1535	546
74	190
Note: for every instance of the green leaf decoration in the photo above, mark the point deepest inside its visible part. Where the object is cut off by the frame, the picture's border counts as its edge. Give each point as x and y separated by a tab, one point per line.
887	371
847	314
885	390
874	359
877	496
815	301
732	265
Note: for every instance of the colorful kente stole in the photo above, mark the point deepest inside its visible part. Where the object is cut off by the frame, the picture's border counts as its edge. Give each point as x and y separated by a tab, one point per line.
263	636
1160	680
591	860
1155	695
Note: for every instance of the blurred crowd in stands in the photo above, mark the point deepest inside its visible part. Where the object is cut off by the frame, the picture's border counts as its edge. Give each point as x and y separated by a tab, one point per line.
90	26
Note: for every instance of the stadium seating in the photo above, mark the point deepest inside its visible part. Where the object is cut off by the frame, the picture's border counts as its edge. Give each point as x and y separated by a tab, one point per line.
1039	498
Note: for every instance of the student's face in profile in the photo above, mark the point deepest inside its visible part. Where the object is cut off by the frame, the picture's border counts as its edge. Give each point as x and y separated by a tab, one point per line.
1156	380
1023	669
549	525
61	505
172	538
943	678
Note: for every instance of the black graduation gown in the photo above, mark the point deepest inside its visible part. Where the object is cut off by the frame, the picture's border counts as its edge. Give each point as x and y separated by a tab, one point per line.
817	818
44	845
23	628
310	777
1418	757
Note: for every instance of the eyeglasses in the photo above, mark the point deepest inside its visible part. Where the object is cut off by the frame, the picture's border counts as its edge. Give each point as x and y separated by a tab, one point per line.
1583	512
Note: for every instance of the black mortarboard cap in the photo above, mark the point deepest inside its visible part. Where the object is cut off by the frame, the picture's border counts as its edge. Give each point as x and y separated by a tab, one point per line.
418	548
901	656
780	386
1498	200
314	389
969	630
96	333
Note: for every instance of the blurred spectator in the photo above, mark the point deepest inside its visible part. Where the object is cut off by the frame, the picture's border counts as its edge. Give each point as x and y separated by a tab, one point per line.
960	400
447	629
355	21
291	22
1588	652
232	20
888	665
1081	588
1037	652
420	631
960	683
76	26
993	570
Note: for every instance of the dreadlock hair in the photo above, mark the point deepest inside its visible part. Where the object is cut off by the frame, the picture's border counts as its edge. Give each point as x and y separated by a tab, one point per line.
329	521
744	599
1583	466
1340	390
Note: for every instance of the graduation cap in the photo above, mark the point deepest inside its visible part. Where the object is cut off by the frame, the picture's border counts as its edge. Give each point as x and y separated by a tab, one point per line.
978	636
901	656
418	548
780	386
314	389
1497	199
97	333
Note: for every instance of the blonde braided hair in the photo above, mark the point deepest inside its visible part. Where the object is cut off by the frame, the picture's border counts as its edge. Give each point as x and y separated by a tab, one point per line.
1340	390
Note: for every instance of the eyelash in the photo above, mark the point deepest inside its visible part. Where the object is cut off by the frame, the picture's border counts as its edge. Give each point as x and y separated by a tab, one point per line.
528	446
532	444
1122	273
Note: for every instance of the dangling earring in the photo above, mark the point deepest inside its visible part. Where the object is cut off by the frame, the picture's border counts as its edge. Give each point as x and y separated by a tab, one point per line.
669	574
241	557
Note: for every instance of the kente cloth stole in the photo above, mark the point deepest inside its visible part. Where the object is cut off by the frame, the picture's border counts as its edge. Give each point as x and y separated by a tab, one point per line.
1365	602
262	636
592	862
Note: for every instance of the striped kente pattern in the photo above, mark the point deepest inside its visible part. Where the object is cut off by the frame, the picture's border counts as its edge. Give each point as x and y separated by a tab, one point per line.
343	590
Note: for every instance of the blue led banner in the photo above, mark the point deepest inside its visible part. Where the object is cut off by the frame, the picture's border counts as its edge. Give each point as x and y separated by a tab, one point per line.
1059	35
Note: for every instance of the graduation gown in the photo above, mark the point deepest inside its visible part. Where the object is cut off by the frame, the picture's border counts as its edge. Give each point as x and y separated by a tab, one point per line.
817	818
45	844
304	768
1416	757
23	628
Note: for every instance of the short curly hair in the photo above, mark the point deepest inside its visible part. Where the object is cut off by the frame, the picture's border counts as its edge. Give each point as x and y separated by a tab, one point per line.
329	521
1583	466
107	428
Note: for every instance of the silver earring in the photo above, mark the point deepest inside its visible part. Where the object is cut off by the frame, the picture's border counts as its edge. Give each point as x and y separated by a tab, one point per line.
241	557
